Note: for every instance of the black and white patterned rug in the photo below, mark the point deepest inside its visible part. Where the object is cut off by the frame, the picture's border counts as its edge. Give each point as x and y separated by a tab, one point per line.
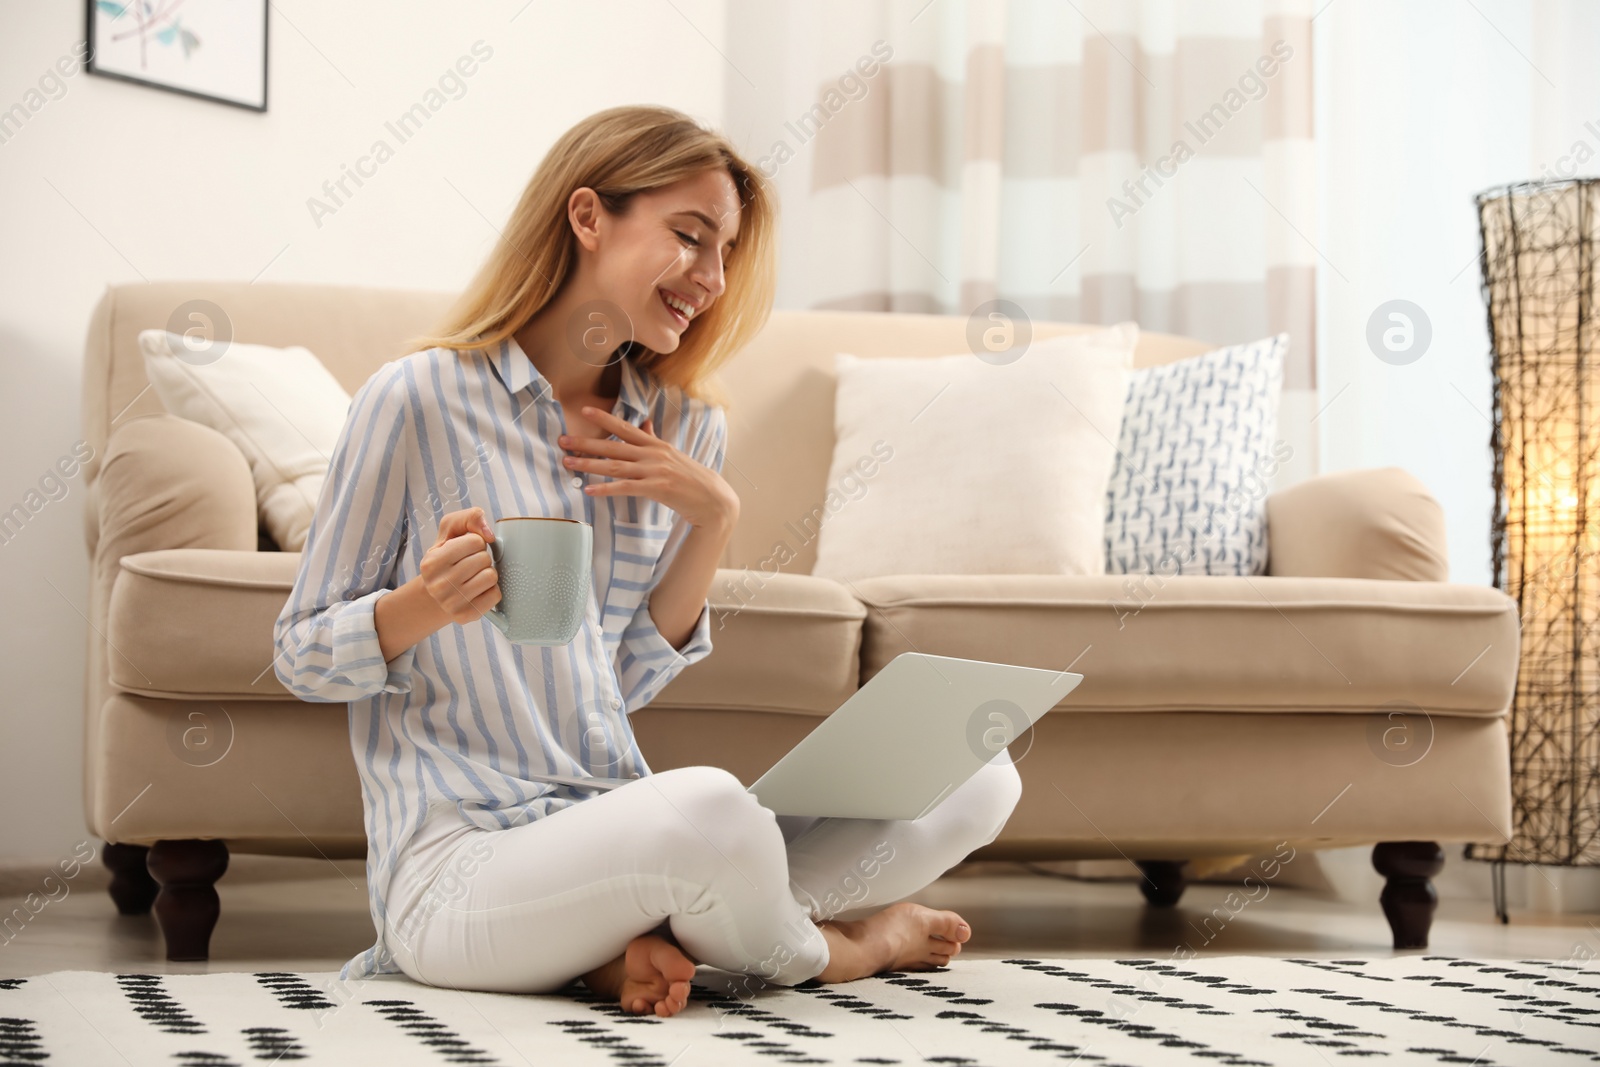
1131	1012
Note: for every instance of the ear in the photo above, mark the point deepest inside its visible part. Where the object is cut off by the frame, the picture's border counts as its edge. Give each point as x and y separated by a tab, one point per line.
583	210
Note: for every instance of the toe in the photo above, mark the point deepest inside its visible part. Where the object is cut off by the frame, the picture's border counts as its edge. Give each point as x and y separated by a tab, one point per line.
949	926
671	963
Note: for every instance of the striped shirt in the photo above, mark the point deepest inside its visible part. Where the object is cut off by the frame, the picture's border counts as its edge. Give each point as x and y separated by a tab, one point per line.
463	717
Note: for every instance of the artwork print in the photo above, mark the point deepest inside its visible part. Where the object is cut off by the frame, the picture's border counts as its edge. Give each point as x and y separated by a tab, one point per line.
211	49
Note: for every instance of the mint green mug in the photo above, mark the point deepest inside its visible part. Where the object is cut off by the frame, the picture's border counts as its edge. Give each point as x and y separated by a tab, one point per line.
544	578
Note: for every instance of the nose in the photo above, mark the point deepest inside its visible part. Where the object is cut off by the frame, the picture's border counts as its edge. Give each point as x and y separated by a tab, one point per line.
708	272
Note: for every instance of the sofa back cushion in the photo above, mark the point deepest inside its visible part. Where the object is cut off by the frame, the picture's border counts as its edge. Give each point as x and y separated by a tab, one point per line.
354	330
780	421
280	407
952	464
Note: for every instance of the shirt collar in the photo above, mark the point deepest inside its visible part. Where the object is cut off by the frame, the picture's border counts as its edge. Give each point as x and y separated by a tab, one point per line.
517	371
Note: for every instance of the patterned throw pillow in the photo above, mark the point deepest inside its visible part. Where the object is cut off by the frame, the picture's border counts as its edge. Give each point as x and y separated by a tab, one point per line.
1188	491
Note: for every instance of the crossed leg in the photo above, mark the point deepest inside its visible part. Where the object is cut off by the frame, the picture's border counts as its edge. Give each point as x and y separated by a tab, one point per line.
691	849
848	867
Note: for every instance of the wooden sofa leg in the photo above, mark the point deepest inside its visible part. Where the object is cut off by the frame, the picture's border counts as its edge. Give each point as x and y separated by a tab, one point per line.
1163	881
132	888
187	906
1408	897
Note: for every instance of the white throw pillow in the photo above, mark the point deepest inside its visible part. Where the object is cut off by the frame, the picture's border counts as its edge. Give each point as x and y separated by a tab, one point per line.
280	406
953	465
1188	494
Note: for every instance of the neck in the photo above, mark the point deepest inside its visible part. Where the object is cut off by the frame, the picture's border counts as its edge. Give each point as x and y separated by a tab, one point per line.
572	375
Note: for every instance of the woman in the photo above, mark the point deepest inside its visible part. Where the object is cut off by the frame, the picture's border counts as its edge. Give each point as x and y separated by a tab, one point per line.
570	380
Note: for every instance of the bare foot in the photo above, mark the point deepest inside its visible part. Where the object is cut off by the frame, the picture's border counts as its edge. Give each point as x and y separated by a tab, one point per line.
901	937
652	974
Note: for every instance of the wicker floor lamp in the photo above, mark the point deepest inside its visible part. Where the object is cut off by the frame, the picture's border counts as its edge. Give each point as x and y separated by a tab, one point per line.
1540	241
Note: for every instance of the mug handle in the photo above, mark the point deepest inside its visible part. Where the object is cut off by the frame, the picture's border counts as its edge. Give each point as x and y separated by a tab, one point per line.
494	614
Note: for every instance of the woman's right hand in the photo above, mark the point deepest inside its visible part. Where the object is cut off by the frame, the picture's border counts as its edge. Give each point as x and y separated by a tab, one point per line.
458	571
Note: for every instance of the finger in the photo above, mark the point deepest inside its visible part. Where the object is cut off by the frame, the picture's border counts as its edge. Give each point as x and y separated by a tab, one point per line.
482	599
601	446
611	468
460	547
452	525
476	570
470	596
455	597
473	520
459	522
619	487
619	426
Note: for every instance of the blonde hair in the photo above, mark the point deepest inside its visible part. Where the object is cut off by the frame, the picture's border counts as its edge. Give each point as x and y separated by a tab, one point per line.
619	152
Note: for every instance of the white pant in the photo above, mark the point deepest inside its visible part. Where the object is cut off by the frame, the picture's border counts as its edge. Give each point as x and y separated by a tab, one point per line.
530	909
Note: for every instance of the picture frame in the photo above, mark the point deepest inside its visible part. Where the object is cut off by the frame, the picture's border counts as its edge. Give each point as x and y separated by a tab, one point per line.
209	49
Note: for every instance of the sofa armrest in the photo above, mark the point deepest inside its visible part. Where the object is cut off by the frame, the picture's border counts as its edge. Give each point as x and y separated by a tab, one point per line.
162	482
196	623
167	482
1376	522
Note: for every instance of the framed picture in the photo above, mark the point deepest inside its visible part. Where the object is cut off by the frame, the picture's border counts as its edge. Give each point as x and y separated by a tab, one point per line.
212	49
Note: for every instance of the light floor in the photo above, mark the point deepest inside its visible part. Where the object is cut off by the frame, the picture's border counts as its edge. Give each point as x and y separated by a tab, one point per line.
311	915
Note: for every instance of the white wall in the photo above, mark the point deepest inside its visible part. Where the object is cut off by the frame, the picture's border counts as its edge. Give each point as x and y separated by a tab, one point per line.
1419	106
110	182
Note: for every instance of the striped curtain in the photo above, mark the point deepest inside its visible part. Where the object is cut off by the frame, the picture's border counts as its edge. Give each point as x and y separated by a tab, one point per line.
1088	160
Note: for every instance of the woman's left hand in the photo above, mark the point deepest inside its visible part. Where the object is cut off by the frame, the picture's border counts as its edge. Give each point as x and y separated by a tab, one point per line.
642	464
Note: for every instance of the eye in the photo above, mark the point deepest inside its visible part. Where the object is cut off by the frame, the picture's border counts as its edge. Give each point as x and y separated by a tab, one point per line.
686	237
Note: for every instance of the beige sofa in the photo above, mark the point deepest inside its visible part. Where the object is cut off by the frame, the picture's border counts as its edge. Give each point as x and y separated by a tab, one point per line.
1350	696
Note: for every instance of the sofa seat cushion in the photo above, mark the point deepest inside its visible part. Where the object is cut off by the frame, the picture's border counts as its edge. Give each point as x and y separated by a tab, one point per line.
196	623
1214	642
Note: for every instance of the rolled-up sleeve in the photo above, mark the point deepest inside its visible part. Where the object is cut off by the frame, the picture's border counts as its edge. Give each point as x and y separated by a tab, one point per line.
326	639
646	661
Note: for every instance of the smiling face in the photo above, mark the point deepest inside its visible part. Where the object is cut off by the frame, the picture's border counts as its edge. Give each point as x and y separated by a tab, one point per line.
663	261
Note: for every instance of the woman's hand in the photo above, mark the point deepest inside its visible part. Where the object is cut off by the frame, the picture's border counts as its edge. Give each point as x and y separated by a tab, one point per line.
458	571
645	465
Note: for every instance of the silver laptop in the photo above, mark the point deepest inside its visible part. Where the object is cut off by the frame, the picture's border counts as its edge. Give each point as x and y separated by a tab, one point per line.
904	741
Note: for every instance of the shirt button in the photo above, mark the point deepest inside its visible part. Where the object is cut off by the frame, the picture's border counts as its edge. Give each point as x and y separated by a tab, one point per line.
615	703
577	483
